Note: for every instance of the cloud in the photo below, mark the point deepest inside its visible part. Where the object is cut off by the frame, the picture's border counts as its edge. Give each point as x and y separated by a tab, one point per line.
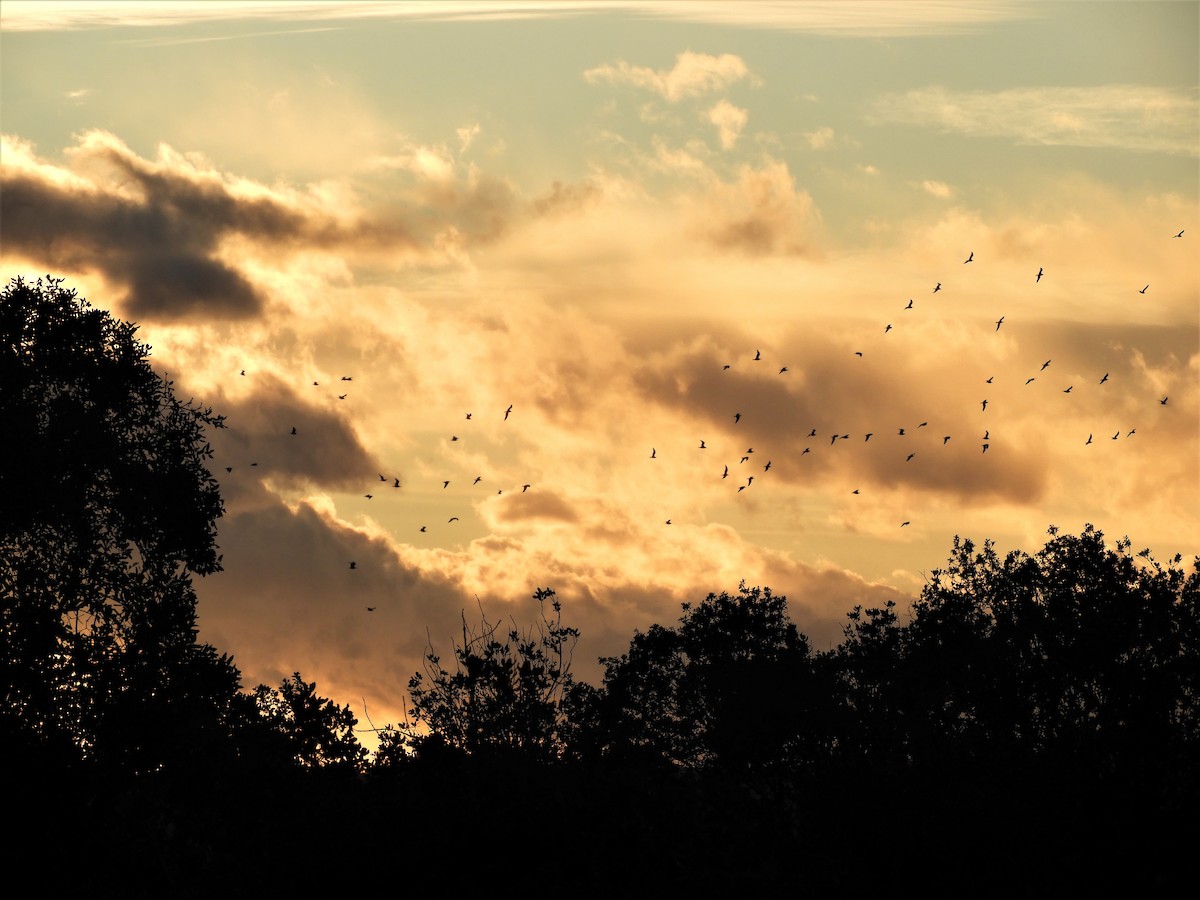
729	120
938	189
762	212
693	75
1123	116
821	138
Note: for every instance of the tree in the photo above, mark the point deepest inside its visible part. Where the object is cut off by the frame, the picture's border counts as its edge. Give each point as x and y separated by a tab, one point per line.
505	698
108	511
304	729
725	688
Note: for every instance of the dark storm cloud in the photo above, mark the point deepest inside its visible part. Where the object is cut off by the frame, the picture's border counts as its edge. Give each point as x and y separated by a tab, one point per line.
162	254
325	450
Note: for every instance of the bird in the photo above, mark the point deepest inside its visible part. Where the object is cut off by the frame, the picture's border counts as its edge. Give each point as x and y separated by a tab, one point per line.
453	438
702	447
784	369
750	481
315	384
253	464
1104	379
243	371
725	474
984	406
855	491
989	381
889	328
902	524
652	453
910	456
985	446
945	439
737	417
1041	272
1117	435
478	478
758	354
999	322
724	367
742	460
1180	234
833	439
813	433
452	519
507	411
347	378
767	467
868	437
741	487
293	429
381	478
923	424
858	353
806	450
938	288
524	488
1046	363
1068	390
396	483
901	431
445	484
353	564
1131	433
1143	290
668	521
369	496
987	435
341	396
468	415
909	303
371	609
969	258
1030	379
1089	440
229	468
422	528
1163	401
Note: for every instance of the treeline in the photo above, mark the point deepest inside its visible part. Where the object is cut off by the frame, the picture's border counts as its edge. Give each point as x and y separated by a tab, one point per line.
1029	726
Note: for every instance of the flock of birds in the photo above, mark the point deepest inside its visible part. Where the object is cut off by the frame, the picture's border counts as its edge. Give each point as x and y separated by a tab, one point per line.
394	483
836	436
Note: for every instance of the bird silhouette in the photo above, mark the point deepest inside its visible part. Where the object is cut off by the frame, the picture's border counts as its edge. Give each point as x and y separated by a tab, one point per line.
989	381
987	435
1041	272
1132	433
347	378
767	467
668	521
396	483
1180	234
806	450
1143	290
468	415
855	491
945	439
985	446
445	484
293	429
1046	363
422	528
868	437
1068	390
723	368
758	354
1089	440
984	406
243	371
833	439
902	524
381	478
702	447
923	424
858	353
910	456
1028	380
725	474
938	288
901	431
652	453
1104	379
353	564
507	411
1117	435
784	369
371	609
1163	401
999	322
478	478
750	481
737	417
453	438
452	519
889	328
369	496
341	396
229	468
969	258
813	433
524	488
909	303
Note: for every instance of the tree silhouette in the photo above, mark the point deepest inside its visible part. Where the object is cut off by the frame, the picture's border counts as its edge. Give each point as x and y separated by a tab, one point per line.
108	510
507	698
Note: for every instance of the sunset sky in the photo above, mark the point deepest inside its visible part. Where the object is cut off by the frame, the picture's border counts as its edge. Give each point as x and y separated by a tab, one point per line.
623	220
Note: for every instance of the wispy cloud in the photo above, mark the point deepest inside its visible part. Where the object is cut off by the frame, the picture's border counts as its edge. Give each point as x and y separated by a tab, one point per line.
692	75
1121	116
729	120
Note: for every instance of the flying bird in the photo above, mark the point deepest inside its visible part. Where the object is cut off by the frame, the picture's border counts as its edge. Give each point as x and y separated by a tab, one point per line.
737	417
985	446
1068	390
923	424
806	450
453	438
723	368
868	437
909	303
999	322
833	439
445	484
910	456
507	411
858	353
347	378
229	468
452	519
946	438
938	288
668	521
371	609
784	369
1041	272
243	371
396	483
524	488
989	381
1117	435
1104	379
889	328
422	527
750	481
353	564
1030	379
1163	401
984	406
652	453
813	433
1180	234
969	258
1046	363
901	431
758	354
702	447
478	478
767	467
855	491
293	429
986	435
468	415
381	478
369	496
1132	433
902	524
725	474
341	396
1143	290
1089	440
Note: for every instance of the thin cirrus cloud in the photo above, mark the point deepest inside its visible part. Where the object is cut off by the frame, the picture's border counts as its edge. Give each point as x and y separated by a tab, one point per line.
1119	116
693	75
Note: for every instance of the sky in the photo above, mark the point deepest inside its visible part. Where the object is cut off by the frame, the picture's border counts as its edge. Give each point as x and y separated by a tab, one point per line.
632	301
